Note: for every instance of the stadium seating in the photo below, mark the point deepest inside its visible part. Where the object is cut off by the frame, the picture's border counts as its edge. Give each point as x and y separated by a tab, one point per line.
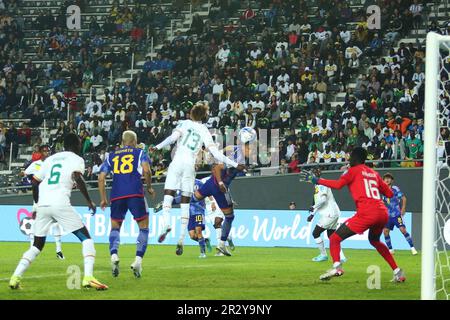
113	57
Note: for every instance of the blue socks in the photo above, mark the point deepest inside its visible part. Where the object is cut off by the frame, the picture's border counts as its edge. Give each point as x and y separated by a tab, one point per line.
226	226
202	244
114	241
409	239
387	239
141	244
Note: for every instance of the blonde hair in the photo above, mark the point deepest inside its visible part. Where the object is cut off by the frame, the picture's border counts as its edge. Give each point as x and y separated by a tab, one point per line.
129	138
199	111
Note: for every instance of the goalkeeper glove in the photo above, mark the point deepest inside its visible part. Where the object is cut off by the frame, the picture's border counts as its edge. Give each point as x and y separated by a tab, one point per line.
308	176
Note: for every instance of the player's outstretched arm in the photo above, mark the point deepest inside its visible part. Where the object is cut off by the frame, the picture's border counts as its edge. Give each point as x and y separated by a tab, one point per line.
219	156
308	176
343	180
78	178
169	140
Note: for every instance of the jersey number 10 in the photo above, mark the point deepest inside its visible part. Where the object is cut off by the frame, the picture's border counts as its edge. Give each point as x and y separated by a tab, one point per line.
371	189
125	166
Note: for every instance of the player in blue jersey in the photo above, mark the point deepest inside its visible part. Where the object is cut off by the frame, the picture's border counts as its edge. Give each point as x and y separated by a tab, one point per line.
397	208
128	164
196	224
218	186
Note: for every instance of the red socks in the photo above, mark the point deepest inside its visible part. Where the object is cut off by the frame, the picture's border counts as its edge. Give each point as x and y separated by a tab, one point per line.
384	252
335	247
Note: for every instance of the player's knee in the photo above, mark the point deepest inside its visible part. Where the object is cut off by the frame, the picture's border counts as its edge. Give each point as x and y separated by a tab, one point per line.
316	233
186	194
218	224
374	238
330	232
335	237
82	234
229	217
39	242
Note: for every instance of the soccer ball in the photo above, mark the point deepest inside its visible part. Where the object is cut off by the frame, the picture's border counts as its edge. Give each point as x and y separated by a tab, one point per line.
247	134
26	225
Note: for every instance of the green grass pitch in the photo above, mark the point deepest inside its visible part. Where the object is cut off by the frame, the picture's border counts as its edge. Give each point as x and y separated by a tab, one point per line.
251	273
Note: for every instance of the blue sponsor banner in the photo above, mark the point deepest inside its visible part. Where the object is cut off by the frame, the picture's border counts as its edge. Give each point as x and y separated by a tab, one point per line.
261	228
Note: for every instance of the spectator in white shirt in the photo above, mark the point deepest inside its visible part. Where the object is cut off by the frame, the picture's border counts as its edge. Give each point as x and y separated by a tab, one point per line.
290	150
416	11
223	54
283	77
96	140
90	106
218	87
152	97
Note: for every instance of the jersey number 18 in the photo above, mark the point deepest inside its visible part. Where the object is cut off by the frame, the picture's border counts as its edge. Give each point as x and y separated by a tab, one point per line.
126	164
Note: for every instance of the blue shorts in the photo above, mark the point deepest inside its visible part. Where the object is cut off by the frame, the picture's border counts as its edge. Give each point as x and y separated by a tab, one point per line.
136	205
395	222
211	188
195	221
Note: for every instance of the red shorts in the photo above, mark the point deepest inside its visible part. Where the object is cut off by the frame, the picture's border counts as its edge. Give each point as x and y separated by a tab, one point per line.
374	221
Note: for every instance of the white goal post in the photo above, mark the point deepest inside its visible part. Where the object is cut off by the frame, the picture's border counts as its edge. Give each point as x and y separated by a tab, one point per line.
431	171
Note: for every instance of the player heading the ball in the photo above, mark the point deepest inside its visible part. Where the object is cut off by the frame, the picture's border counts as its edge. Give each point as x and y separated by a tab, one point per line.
190	136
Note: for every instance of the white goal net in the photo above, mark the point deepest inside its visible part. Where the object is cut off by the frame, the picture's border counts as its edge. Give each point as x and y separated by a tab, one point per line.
436	174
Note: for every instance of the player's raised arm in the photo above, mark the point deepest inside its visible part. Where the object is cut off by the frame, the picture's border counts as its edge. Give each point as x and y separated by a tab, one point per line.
176	134
344	179
104	170
79	180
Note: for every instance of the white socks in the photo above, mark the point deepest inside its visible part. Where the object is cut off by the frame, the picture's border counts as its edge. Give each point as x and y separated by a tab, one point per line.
321	246
27	258
342	255
89	257
138	260
167	205
58	243
218	234
184	219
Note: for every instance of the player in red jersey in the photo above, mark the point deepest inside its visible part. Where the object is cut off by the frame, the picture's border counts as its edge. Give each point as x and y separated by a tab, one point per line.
365	186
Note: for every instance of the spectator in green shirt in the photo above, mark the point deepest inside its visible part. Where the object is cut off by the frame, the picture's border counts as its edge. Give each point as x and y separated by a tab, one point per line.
414	146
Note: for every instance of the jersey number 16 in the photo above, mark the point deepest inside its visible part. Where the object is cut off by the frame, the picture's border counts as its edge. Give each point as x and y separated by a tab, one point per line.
371	189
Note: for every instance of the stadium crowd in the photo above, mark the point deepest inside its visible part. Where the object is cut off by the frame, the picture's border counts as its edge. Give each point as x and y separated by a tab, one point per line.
276	68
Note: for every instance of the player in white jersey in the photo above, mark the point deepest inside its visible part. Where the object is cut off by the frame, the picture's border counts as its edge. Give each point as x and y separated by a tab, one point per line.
190	136
328	210
55	229
52	188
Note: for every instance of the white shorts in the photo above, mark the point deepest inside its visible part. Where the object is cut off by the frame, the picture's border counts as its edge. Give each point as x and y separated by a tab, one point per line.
66	217
54	230
217	214
180	176
328	222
